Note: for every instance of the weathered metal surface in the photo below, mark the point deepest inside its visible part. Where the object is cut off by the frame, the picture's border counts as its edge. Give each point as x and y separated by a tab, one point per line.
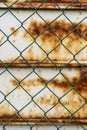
44	127
53	41
80	4
50	93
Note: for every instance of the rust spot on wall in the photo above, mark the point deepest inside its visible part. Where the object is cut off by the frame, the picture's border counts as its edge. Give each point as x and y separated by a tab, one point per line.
14	31
59	27
28	83
49	35
51	100
82	30
35	82
82	86
14	82
55	84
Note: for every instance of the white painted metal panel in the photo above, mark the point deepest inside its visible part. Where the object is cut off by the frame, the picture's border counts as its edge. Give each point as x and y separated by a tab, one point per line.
55	40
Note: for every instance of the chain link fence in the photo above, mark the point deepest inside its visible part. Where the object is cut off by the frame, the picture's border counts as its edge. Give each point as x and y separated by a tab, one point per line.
43	74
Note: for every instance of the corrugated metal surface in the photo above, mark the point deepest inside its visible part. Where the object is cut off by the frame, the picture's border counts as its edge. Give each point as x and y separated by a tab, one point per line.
55	40
78	4
52	94
43	95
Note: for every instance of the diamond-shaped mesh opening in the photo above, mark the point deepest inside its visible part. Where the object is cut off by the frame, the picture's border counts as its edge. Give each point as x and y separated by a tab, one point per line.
48	102
51	40
5	56
73	76
10	21
59	52
30	85
7	81
74	37
39	55
57	83
58	108
36	26
72	100
33	111
21	39
43	63
21	96
61	26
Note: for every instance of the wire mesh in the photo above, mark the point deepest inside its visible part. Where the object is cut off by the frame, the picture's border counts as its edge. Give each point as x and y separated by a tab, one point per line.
31	69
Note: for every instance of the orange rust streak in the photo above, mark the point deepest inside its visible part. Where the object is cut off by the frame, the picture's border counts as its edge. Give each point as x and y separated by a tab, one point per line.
12	29
81	86
14	82
15	33
48	39
32	82
59	27
48	4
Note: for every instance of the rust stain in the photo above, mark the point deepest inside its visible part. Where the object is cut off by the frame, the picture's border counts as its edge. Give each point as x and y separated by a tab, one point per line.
14	82
83	30
82	86
52	100
12	29
49	36
48	4
60	27
50	42
55	84
29	83
15	33
65	85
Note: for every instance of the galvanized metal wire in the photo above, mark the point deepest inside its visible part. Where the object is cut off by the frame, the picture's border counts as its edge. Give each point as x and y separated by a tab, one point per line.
6	67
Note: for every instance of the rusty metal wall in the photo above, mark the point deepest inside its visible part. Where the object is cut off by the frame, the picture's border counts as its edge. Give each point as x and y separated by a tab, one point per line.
43	64
43	87
56	37
53	4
